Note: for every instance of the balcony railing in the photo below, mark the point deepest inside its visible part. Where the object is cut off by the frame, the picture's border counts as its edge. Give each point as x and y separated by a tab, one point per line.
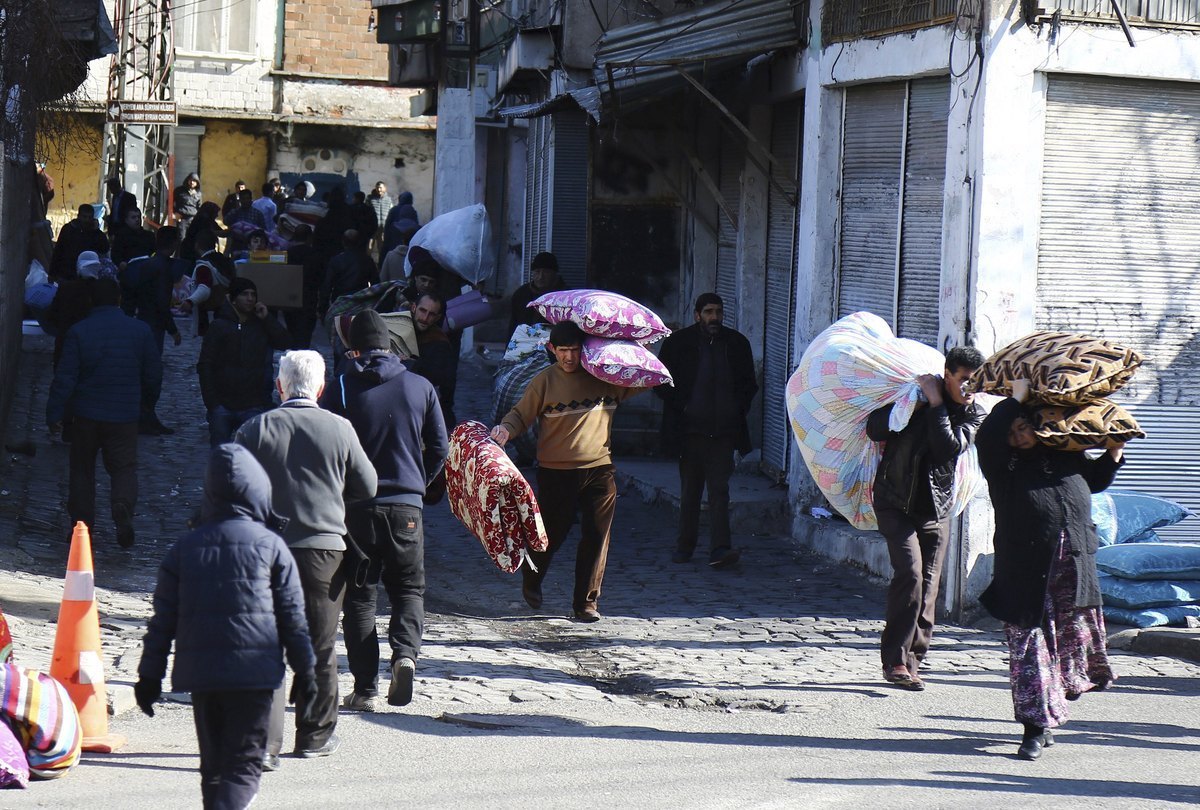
1168	13
851	19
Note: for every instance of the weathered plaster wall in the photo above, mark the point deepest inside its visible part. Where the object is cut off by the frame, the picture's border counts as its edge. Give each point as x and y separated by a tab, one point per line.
231	151
72	162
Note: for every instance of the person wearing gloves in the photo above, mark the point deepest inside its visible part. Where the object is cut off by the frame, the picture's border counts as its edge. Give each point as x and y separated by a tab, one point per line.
914	488
1044	587
229	598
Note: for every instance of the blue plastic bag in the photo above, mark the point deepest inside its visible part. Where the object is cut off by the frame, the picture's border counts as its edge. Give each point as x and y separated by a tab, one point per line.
1151	560
1146	593
1152	617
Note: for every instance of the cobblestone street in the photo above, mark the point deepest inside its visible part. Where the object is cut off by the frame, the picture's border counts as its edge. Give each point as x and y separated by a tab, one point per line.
784	632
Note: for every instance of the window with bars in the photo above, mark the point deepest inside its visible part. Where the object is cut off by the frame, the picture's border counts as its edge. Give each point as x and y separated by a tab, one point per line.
1145	12
215	26
851	19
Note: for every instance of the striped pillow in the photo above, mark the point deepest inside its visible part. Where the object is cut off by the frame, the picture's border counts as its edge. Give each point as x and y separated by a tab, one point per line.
1100	424
1062	368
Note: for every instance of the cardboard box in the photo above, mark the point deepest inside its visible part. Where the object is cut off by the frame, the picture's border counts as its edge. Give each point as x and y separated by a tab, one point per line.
280	286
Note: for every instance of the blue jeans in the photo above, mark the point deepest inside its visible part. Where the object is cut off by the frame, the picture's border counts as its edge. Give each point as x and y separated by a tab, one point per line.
223	423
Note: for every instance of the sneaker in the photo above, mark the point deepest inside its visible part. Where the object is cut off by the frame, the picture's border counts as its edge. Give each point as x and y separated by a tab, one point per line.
358	702
123	517
271	762
401	691
589	615
723	557
681	557
330	747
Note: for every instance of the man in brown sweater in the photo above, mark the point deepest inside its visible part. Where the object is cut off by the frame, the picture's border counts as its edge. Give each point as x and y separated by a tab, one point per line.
575	469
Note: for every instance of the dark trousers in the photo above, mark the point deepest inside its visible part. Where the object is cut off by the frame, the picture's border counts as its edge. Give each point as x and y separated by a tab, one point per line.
231	728
593	493
392	539
223	423
917	548
150	401
705	463
323	582
300	324
116	444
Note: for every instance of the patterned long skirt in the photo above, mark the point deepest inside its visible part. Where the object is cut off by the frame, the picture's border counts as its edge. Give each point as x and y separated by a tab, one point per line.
1062	658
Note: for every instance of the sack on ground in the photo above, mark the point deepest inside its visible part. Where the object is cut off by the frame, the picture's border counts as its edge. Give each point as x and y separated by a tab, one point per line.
1062	368
603	314
1152	617
623	363
1083	427
45	721
1145	593
492	499
1151	560
849	370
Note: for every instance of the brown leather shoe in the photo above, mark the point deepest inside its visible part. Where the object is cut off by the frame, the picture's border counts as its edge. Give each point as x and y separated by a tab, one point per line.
900	675
588	614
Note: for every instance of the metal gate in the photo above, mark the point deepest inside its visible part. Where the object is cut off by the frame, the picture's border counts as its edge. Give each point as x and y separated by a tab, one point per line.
780	286
1119	255
729	182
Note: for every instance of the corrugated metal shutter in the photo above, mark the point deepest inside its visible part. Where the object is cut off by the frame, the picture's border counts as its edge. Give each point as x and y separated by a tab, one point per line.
921	221
729	180
872	172
1118	251
568	237
537	199
780	292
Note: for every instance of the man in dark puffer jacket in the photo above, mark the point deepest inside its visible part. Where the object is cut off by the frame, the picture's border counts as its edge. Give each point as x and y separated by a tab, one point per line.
229	596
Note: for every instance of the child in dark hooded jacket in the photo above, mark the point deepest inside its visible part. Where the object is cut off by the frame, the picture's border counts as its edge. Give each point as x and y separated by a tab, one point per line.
229	598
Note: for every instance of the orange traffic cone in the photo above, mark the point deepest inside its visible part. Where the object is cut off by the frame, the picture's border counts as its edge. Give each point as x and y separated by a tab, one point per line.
77	664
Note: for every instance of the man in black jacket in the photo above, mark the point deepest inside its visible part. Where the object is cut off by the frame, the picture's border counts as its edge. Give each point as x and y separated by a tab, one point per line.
704	422
146	286
397	417
912	497
235	363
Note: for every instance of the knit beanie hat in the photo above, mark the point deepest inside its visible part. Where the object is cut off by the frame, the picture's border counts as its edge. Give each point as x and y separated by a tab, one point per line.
368	332
240	285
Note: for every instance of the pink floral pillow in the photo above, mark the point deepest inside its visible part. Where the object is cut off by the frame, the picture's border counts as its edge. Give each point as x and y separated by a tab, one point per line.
623	363
603	314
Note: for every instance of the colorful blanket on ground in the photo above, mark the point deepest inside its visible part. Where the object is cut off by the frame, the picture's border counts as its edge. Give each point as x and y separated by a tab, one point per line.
851	369
493	500
41	714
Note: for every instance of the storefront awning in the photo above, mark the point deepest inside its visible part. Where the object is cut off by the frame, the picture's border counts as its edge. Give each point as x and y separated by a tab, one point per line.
585	98
638	63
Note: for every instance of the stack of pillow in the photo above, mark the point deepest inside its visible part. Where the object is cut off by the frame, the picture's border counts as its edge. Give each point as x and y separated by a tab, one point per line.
1070	375
618	330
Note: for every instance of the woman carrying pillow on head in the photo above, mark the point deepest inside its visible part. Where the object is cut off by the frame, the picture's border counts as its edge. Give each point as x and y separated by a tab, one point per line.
1044	587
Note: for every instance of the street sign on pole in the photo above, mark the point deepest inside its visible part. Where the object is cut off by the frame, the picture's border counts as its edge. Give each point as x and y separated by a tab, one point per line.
124	111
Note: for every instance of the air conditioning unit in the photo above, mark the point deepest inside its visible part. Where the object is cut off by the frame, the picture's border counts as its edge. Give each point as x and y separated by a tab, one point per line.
414	21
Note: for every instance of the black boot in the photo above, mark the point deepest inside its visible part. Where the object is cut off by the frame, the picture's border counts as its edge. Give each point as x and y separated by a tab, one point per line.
1035	739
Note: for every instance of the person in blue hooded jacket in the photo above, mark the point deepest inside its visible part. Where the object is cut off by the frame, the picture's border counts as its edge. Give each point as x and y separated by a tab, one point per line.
229	597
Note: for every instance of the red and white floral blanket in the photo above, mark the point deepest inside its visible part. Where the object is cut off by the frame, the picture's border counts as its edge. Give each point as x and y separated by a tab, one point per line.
490	496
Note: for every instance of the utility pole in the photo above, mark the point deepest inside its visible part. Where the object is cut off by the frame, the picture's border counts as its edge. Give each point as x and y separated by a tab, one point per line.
140	112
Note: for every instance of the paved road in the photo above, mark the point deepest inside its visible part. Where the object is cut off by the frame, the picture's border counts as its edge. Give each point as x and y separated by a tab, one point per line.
757	686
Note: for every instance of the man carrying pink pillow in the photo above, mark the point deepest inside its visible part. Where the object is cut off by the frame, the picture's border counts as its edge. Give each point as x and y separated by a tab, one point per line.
574	413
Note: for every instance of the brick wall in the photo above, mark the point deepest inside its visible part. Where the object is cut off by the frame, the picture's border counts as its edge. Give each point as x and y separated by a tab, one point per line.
331	37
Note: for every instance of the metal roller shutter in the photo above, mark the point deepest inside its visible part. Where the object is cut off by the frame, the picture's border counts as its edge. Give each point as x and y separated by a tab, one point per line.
780	283
729	182
1119	247
568	236
537	201
872	172
921	222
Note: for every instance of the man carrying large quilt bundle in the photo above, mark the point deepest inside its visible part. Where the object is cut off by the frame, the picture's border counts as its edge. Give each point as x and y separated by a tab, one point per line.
888	441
